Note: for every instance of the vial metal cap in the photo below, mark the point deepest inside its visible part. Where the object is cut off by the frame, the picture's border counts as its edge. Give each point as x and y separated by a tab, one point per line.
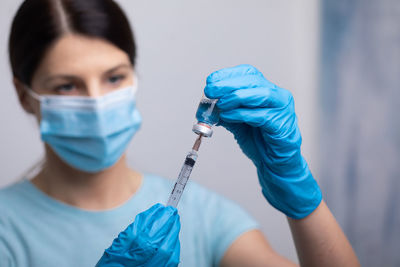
203	129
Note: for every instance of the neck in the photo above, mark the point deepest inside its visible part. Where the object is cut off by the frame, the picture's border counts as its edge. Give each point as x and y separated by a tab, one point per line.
91	191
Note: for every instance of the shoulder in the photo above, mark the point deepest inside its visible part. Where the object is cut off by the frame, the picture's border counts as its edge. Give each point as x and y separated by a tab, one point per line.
12	195
11	200
18	202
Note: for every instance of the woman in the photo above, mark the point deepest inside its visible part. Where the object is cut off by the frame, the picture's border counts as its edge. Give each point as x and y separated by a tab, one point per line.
73	65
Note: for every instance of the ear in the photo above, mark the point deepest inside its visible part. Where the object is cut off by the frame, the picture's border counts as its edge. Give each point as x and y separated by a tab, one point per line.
23	96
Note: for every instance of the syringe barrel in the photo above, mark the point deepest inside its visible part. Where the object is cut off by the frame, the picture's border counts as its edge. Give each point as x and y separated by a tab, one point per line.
183	178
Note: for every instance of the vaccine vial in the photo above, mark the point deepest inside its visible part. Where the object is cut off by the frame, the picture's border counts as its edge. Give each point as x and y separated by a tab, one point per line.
207	115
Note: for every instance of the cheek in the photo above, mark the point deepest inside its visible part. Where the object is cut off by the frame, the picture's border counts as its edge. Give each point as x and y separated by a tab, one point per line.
129	81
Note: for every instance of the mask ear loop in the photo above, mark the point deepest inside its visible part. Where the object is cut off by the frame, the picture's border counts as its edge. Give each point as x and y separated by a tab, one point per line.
38	166
33	94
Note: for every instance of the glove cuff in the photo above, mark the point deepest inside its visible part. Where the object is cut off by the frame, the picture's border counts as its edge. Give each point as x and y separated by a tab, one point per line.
297	197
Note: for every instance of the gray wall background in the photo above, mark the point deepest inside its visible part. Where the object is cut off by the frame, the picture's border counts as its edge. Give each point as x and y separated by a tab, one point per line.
179	44
360	126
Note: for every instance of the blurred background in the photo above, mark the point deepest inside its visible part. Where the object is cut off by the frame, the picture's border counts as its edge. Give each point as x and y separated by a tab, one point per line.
339	58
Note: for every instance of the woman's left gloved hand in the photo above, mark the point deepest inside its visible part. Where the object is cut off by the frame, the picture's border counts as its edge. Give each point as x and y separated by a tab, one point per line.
262	119
152	240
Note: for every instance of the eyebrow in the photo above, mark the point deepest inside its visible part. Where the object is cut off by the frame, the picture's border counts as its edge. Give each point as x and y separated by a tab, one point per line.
71	77
123	65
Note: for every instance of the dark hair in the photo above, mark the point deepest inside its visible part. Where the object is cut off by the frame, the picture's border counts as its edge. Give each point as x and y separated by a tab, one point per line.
39	23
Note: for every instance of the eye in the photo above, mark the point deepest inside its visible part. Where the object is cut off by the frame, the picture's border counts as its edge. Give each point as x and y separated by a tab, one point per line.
65	88
115	79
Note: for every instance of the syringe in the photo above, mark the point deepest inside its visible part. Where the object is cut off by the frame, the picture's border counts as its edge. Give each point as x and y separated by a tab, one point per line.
184	175
207	115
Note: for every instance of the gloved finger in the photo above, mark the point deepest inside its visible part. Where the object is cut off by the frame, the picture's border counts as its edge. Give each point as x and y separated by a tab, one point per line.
149	212
124	239
169	251
143	223
272	120
159	224
227	73
137	256
227	86
128	248
172	237
143	240
168	258
173	259
254	117
145	217
259	97
227	80
164	223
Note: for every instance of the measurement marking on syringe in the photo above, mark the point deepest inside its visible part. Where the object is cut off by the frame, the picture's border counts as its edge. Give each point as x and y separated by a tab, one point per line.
183	178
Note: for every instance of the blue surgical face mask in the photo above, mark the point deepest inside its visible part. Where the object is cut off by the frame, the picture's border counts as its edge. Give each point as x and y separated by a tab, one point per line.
90	134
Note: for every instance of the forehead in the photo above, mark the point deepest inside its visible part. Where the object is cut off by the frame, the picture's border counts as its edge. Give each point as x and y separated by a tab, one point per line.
77	54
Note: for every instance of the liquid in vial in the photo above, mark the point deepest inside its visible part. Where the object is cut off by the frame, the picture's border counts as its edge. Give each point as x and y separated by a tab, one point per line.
208	112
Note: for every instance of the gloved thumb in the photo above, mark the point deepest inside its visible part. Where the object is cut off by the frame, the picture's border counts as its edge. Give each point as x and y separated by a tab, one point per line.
142	239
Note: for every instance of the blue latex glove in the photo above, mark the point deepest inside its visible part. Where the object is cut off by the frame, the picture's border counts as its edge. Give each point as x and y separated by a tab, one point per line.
262	119
151	240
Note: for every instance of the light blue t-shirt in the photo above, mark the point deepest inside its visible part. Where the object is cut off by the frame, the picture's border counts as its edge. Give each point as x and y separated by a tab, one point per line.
37	230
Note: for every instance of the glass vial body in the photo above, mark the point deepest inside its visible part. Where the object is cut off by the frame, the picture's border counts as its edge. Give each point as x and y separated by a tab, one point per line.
207	115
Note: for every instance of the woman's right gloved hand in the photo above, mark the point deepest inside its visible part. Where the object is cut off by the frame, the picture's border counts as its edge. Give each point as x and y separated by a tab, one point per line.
151	240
